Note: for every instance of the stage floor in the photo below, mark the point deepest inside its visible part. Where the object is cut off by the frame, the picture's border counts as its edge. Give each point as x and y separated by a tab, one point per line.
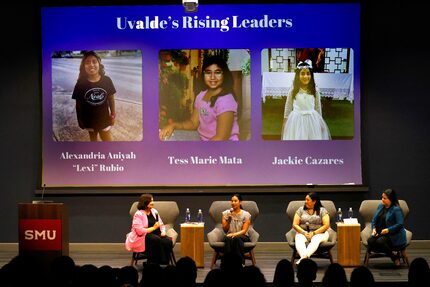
267	255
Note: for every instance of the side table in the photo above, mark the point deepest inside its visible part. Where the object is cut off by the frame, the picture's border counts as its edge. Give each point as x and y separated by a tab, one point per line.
192	242
348	244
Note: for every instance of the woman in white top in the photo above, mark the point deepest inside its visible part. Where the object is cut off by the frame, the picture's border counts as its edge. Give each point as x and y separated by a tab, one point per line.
302	114
235	223
311	222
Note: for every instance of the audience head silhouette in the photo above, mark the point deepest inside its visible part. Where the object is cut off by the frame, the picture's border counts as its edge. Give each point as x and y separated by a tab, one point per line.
361	276
307	272
335	276
187	271
151	275
284	274
252	277
63	271
215	278
128	276
419	272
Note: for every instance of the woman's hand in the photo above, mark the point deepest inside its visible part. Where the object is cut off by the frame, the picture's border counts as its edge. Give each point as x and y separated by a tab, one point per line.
384	231
163	234
166	132
231	235
156	225
374	233
309	235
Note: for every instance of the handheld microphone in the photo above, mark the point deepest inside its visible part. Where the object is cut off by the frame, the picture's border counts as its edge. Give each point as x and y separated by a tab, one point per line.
230	215
156	215
307	227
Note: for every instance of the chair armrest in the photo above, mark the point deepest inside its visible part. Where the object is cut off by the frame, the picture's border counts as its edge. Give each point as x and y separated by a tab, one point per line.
216	235
365	234
291	236
253	235
332	235
408	236
170	232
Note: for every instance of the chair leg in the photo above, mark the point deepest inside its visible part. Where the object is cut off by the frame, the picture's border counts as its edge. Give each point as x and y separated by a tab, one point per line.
253	258
330	256
366	259
405	257
293	257
133	261
214	258
172	258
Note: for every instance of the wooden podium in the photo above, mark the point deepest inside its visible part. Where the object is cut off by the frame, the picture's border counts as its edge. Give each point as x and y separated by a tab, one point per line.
348	244
192	242
43	231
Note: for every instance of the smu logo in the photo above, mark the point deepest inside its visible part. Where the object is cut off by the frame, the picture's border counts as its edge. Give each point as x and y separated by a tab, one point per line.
40	234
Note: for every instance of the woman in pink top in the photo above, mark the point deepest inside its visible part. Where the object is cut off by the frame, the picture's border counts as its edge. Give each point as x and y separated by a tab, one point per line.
215	109
148	233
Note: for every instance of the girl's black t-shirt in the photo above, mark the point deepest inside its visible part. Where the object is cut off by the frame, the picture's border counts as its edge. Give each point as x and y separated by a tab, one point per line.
93	99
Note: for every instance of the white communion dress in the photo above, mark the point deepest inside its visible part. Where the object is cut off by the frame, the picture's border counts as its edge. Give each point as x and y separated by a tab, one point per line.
304	120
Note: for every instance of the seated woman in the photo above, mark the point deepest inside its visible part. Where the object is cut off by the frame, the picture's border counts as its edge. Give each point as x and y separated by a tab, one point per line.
311	222
148	233
388	232
235	223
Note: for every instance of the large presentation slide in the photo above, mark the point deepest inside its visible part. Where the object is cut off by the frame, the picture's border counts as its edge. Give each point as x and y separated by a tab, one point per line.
231	95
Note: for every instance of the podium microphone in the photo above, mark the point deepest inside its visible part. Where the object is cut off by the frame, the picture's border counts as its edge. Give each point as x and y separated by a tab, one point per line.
43	194
43	190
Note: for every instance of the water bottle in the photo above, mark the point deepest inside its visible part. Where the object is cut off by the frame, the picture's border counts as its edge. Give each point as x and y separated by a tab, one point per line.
200	216
350	213
339	215
187	216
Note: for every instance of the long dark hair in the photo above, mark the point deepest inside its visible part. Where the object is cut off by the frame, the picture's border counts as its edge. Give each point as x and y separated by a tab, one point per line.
311	88
144	200
315	197
227	84
82	73
392	196
238	197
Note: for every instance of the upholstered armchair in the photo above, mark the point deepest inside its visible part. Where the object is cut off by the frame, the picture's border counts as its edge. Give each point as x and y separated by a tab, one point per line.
216	236
169	212
324	250
367	211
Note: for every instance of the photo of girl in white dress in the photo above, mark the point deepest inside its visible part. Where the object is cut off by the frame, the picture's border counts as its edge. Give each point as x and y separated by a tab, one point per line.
302	113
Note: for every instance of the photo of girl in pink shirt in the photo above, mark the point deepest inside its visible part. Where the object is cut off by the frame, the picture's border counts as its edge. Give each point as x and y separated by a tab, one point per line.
214	114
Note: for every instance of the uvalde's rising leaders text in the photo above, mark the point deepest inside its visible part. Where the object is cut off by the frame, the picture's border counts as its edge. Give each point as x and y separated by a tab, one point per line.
194	22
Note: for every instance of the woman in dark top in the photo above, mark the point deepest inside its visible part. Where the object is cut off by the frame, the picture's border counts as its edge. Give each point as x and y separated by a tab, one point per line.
388	232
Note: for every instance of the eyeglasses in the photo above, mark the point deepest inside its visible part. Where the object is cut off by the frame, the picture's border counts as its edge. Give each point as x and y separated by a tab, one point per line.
216	73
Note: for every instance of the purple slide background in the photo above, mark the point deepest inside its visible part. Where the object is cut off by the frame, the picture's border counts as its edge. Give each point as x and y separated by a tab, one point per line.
87	28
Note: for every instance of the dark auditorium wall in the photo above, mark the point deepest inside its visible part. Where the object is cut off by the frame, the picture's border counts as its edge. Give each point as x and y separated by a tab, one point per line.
395	101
